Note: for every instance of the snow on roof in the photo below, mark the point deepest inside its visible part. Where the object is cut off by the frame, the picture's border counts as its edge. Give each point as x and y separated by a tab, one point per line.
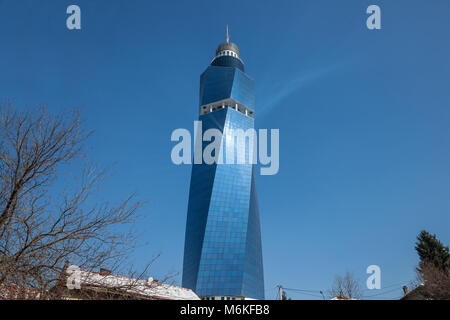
341	296
150	287
11	291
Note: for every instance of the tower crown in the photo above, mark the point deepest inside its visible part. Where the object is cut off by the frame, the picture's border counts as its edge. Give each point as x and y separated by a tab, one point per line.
227	49
227	55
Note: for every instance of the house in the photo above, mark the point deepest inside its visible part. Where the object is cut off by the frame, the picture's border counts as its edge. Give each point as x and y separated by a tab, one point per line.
84	285
418	293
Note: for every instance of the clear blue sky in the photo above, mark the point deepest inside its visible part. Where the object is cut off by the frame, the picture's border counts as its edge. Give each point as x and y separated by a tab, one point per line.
364	118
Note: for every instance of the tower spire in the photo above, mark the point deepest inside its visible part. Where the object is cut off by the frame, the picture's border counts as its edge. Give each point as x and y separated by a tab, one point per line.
228	36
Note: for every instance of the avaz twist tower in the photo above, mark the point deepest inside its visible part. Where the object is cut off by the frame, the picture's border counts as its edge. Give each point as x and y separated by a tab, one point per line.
222	252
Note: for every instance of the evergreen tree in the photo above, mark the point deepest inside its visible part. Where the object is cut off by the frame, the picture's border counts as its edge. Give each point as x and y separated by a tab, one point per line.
431	250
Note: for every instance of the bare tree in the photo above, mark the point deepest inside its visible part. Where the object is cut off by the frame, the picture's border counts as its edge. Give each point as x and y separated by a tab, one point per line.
431	283
345	287
42	223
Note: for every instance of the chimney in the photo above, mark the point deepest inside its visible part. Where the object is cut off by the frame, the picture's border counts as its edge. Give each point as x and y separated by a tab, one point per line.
105	272
405	290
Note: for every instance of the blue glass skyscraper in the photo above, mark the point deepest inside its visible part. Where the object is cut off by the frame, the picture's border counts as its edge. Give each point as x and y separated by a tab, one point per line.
222	253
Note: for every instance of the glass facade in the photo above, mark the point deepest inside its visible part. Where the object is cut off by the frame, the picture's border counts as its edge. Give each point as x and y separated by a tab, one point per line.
223	254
